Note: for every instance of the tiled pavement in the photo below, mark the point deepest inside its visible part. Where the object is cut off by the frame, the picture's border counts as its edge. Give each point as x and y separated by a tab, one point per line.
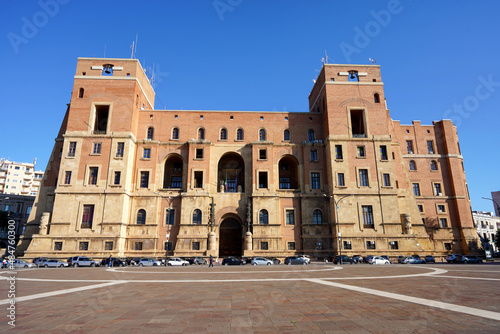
277	299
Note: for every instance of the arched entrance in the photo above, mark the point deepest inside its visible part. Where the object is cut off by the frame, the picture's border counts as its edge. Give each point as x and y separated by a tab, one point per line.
230	238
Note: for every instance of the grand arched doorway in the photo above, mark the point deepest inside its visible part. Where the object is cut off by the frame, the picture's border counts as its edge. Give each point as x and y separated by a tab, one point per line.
230	238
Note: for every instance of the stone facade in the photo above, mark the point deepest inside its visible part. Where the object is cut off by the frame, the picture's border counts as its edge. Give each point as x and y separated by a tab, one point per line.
129	180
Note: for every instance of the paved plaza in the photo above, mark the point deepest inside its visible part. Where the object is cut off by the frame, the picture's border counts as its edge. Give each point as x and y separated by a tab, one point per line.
319	298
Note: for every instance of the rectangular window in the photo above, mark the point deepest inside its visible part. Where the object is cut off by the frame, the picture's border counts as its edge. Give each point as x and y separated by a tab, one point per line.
416	189
315	181
393	245
176	182
72	149
291	245
421	208
370	245
264	245
358	124
347	245
67	177
409	147
284	183
144	179
383	152
119	150
196	245
437	189
199	153
108	245
147	153
97	148
87	216
93	172
443	222
387	180
441	209
367	216
430	147
84	245
361	151
28	210
262	154
198	179
117	178
262	179
58	245
314	155
447	246
340	180
168	246
338	152
363	177
289	217
138	246
101	119
169	219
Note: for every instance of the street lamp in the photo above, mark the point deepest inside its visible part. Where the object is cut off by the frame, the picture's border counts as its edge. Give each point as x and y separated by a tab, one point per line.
339	235
498	206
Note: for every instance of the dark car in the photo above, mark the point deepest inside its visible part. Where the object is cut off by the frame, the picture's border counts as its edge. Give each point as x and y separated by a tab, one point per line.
401	258
356	258
369	258
295	260
114	262
430	259
275	260
345	259
232	261
454	258
247	259
471	259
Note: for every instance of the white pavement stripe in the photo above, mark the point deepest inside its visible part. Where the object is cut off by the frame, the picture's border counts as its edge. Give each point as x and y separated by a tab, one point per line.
60	292
421	301
478	278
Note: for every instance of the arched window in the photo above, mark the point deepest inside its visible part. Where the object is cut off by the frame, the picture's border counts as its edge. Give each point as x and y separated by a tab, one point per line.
141	217
376	98
151	132
81	92
310	135
175	133
239	134
317	217
172	177
286	135
197	217
223	134
413	166
201	133
434	165
262	135
263	217
288	173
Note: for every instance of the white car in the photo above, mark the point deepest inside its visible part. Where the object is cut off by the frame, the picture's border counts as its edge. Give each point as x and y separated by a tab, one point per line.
52	263
177	262
306	258
146	262
21	264
379	260
261	261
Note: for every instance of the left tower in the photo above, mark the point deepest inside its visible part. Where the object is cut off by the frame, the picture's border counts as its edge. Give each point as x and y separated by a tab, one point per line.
85	196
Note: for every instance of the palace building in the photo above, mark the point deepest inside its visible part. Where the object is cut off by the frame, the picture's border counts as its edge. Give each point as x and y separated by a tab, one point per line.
127	180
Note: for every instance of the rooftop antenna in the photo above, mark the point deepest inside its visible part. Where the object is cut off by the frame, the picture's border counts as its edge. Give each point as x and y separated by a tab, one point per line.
134	47
372	60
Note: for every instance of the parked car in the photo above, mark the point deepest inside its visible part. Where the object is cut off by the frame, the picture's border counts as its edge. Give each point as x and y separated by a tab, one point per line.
147	262
380	260
275	260
134	261
413	260
306	258
345	259
175	261
386	257
401	258
454	258
471	259
247	259
430	259
296	260
52	263
81	261
368	259
37	260
261	261
196	260
114	262
232	261
356	258
21	264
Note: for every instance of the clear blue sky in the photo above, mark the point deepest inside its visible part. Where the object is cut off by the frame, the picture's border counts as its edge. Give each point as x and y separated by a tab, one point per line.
439	59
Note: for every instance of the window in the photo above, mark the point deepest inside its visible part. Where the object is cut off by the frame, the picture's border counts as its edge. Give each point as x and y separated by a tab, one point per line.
317	217
239	134
144	179
416	189
93	171
361	151
81	91
262	154
84	245
447	246
201	133
430	147
150	133
358	124
393	245
262	135
197	217
409	146
264	245
72	149
376	98
291	245
28	209
347	245
437	189
286	135
310	135
383	152
441	208
434	165
199	153
284	183
169	218
367	216
420	208
175	133
263	217
117	178
141	217
338	152
262	179
147	153
413	165
314	155
198	179
196	245
387	180
138	246
67	177
119	150
108	245
168	246
97	148
289	217
363	177
58	245
223	134
443	222
340	180
370	245
315	181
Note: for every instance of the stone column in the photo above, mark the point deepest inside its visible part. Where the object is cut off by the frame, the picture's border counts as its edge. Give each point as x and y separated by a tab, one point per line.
407	222
211	241
44	223
248	241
